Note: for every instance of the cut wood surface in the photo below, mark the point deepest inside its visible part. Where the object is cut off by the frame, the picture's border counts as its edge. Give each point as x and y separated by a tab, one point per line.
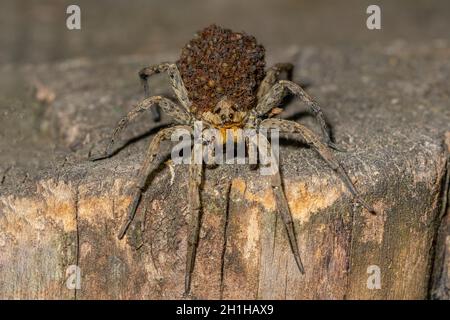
388	106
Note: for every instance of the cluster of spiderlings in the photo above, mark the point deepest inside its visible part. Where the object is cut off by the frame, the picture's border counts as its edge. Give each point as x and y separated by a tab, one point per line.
218	63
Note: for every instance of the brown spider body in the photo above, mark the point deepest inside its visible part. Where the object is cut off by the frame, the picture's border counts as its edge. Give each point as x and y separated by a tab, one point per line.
220	80
219	63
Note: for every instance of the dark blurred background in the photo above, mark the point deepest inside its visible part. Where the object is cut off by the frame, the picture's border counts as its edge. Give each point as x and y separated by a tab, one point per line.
35	30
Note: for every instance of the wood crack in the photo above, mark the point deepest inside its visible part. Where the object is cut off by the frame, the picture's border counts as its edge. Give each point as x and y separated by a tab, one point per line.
349	252
77	253
225	237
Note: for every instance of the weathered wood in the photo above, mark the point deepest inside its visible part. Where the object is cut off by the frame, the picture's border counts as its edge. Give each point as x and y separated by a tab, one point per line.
63	210
440	285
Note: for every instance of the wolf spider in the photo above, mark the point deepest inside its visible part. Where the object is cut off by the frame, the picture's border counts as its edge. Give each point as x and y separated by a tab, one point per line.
220	80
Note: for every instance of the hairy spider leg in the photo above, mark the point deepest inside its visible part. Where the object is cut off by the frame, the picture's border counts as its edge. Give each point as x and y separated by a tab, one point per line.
272	76
291	127
195	207
175	80
283	208
274	97
180	116
153	160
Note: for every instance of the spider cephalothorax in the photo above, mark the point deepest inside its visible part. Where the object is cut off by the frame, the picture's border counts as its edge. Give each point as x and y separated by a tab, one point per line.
220	81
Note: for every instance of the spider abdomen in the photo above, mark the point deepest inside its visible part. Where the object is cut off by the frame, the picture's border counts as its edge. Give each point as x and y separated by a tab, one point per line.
219	62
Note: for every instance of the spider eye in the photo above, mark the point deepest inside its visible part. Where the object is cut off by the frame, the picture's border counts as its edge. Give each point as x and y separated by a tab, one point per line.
230	116
222	117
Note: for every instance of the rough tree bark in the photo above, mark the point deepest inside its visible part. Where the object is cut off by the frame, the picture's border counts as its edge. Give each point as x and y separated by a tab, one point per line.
389	107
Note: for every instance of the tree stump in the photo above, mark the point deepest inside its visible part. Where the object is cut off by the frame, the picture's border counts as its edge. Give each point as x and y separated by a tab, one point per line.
388	107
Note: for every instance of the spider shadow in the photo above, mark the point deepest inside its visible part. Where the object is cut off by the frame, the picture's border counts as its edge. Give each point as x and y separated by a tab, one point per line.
297	115
305	114
287	101
135	139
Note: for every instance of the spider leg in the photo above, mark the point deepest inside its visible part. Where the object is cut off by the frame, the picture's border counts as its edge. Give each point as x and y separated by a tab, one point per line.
209	142
272	76
178	114
252	155
195	181
152	161
283	209
175	79
286	127
274	97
